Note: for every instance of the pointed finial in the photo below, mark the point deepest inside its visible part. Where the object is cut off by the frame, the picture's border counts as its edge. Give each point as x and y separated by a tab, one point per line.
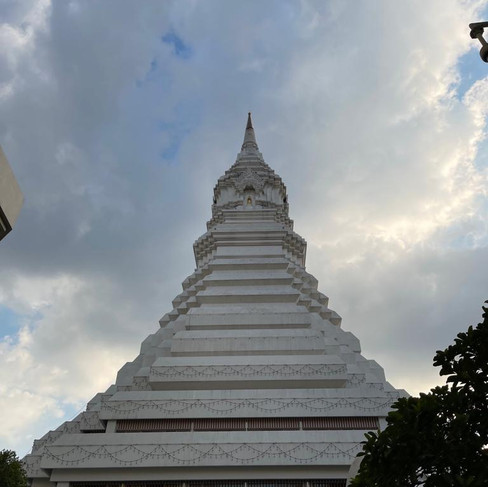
249	137
249	121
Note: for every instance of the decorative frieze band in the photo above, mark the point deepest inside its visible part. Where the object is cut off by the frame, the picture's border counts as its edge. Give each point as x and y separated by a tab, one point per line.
226	407
200	454
70	427
32	466
247	371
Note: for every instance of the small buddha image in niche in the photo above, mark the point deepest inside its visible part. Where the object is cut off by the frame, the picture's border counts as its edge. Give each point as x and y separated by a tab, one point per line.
249	200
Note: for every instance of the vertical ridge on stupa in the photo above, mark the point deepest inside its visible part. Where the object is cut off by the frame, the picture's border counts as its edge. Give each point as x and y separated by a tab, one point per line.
250	379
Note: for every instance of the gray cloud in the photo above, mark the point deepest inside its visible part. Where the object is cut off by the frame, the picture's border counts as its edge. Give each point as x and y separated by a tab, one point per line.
117	141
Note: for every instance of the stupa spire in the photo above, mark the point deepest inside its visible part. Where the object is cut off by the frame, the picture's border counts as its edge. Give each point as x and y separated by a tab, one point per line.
249	136
248	381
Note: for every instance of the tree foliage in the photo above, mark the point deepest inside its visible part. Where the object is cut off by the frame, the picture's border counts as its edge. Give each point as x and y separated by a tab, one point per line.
438	439
12	472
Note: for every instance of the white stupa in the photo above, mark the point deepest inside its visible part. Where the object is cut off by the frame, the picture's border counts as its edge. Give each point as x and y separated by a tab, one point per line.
250	380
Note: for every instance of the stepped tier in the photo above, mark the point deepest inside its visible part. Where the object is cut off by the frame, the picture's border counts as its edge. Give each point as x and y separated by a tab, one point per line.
250	378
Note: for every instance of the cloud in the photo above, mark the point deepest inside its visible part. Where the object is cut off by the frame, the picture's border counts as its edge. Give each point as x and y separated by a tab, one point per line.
70	334
118	119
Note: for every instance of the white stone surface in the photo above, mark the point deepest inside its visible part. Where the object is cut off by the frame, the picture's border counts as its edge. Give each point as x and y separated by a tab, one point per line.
250	336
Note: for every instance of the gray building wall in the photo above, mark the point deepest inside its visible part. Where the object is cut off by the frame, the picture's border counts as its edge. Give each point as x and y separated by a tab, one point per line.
11	197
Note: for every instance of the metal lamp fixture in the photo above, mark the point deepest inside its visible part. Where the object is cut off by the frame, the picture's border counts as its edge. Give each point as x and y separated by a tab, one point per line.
477	33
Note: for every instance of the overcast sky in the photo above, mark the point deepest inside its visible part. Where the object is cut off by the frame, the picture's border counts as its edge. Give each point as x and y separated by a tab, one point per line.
118	118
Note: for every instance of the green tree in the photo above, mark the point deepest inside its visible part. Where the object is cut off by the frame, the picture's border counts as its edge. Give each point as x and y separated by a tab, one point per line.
12	472
438	439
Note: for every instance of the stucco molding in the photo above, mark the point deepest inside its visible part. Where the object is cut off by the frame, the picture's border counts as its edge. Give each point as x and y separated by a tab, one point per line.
175	407
198	454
